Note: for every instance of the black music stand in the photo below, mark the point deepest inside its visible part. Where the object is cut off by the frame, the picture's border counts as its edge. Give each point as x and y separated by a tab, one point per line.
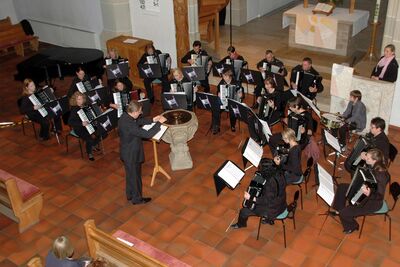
194	74
228	175
56	108
98	95
334	143
218	68
116	71
253	77
146	107
152	71
106	122
174	101
209	102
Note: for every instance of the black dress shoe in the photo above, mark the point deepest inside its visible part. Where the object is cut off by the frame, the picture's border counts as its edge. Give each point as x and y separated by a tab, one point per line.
347	232
267	221
215	130
333	213
142	201
233	129
236	226
91	158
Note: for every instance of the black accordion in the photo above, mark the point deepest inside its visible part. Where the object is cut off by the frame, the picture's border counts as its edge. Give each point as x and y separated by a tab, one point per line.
255	189
363	143
89	114
122	99
296	122
362	176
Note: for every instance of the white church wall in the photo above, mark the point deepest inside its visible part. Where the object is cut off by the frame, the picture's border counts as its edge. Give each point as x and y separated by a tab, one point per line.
7	10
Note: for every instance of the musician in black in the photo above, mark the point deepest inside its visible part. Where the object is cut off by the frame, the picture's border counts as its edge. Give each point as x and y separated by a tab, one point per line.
131	148
299	120
81	76
229	60
115	59
176	84
187	59
270	59
227	79
310	82
150	51
292	165
272	201
386	69
355	116
31	111
379	140
119	86
374	197
76	102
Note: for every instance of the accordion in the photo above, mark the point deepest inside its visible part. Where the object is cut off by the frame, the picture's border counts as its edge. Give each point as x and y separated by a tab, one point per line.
41	98
296	122
122	99
89	114
255	189
363	143
265	110
362	176
229	92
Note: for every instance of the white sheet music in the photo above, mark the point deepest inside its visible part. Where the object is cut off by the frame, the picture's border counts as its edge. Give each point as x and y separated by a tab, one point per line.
159	134
275	69
266	130
151	60
332	141
130	41
294	92
311	104
253	152
231	174
326	189
81	87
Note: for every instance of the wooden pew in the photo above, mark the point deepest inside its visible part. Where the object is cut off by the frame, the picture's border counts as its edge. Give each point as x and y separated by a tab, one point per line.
20	200
35	262
141	254
5	23
14	36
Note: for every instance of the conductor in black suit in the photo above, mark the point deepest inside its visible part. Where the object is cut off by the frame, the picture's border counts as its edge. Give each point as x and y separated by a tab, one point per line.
131	148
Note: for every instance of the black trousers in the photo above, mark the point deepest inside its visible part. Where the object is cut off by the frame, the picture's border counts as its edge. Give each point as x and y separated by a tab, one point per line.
216	118
90	140
205	84
133	180
45	124
149	90
245	213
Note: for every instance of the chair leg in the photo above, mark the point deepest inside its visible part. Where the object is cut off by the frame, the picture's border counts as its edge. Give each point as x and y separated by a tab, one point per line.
390	226
259	227
284	232
80	147
305	185
294	222
362	227
301	196
34	129
66	142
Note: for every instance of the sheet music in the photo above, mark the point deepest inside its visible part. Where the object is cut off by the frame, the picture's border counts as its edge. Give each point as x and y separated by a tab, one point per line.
266	130
326	188
159	134
294	92
125	242
81	87
275	69
311	104
332	141
130	41
253	152
231	174
151	60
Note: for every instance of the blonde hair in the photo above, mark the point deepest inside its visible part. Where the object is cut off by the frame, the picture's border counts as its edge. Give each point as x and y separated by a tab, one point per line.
288	135
26	83
177	70
72	100
62	248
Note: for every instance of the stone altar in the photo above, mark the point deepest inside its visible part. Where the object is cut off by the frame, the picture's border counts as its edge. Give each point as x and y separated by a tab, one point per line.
182	125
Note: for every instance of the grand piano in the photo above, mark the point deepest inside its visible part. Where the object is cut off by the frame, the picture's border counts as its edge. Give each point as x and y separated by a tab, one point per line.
58	62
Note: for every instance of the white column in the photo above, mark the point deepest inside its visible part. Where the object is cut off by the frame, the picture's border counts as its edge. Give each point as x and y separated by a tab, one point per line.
193	21
239	12
392	36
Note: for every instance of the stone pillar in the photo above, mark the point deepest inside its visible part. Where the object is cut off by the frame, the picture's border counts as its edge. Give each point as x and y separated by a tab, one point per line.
116	20
193	21
392	36
239	12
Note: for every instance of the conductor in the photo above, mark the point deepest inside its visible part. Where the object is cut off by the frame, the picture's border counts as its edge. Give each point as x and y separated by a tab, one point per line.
131	148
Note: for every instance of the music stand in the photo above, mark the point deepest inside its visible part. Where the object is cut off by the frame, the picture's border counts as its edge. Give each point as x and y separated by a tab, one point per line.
56	108
251	151
176	100
194	74
208	102
146	107
98	95
228	175
326	191
106	121
116	71
152	71
253	77
334	143
218	69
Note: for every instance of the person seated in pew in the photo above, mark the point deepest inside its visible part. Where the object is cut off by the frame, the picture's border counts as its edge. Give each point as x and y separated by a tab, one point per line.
373	201
81	76
113	55
150	51
31	111
355	116
386	69
61	254
76	102
272	200
309	83
227	80
198	51
292	165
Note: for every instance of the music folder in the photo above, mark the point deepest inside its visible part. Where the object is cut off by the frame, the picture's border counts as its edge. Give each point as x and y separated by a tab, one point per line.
58	107
159	134
332	141
218	69
97	95
251	151
194	73
146	107
107	121
326	188
176	100
206	101
228	175
119	70
149	71
240	110
311	104
251	77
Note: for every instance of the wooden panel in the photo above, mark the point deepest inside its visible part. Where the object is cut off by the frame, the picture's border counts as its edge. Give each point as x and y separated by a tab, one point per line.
132	52
181	28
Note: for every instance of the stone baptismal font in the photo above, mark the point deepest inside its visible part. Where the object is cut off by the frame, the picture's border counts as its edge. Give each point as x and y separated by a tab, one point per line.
182	125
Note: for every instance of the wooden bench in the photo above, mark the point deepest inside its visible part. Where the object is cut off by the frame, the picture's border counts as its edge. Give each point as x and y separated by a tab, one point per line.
20	200
14	36
101	244
5	23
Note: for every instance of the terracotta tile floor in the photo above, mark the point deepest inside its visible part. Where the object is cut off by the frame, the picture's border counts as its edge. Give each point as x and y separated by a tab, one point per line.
185	218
